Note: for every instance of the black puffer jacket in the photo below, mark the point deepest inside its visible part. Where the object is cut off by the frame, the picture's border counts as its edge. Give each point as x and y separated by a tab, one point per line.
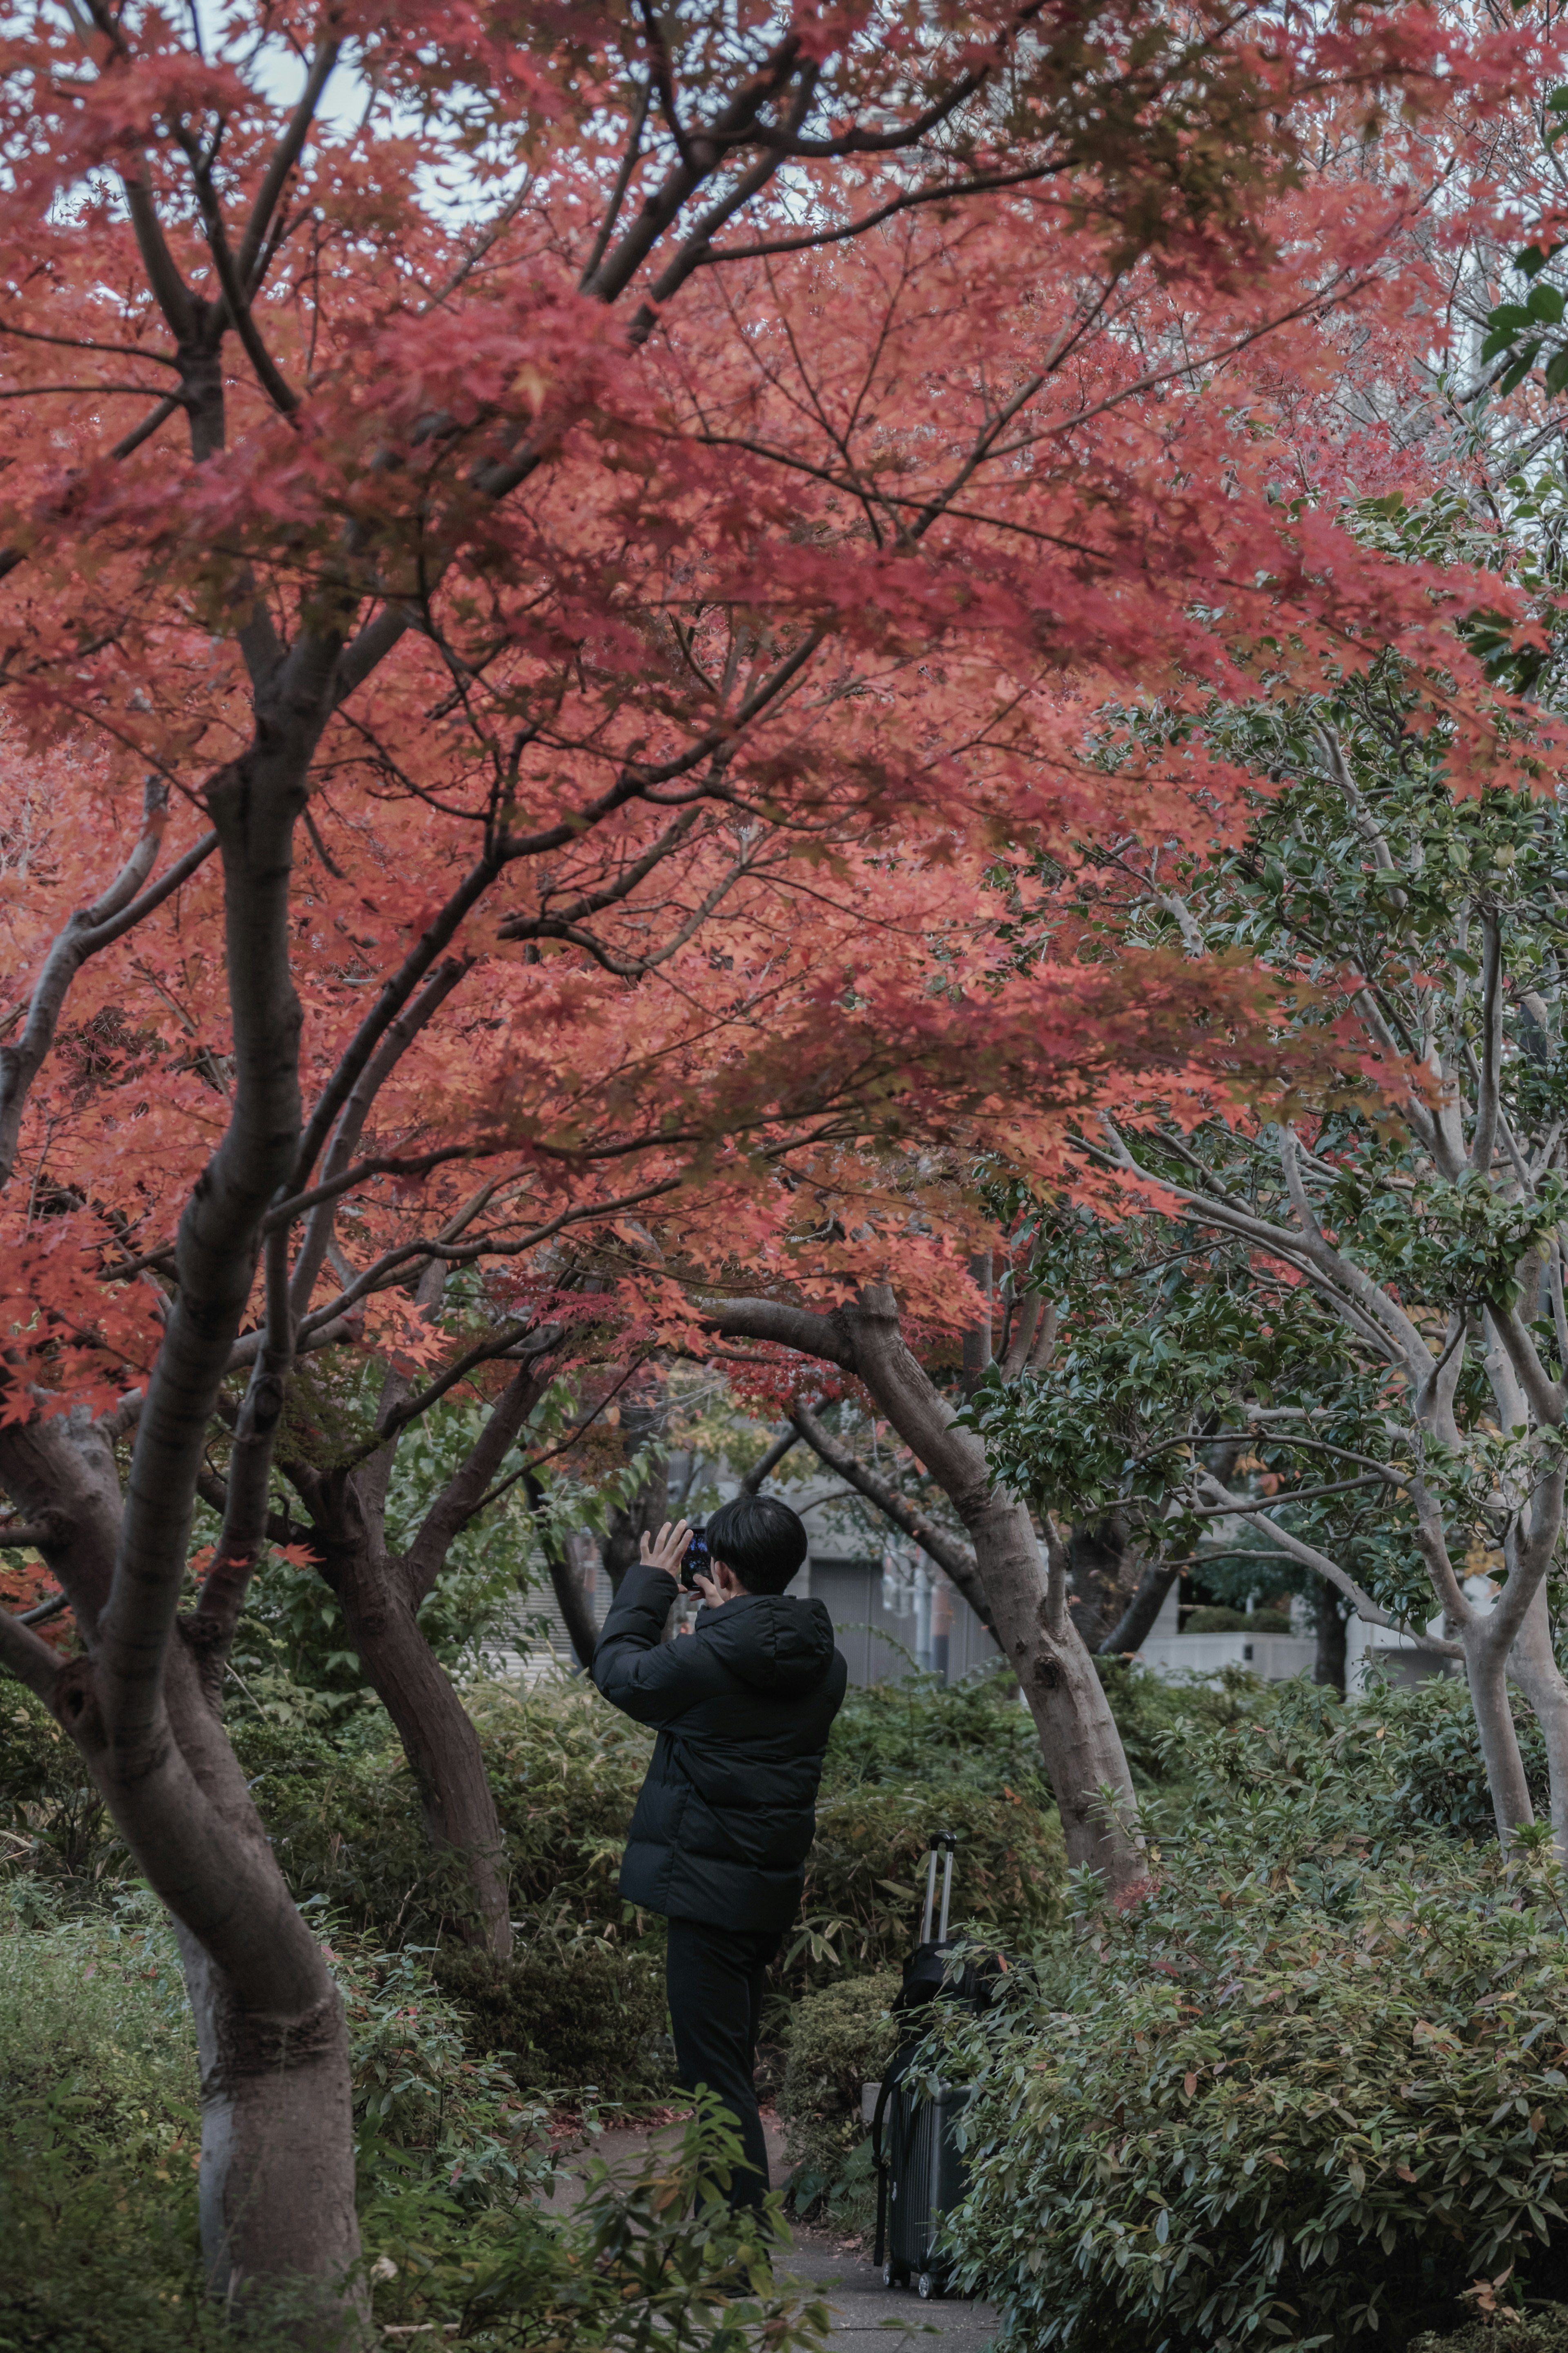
743	1704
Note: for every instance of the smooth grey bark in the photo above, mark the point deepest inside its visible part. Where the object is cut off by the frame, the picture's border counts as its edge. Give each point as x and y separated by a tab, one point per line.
1534	1664
1080	1745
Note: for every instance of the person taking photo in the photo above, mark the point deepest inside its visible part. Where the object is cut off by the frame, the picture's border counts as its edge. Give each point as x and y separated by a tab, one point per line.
726	1816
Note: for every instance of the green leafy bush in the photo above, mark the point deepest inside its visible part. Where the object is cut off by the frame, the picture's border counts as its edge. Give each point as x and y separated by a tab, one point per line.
865	1879
1545	2331
972	1735
97	2182
343	1809
841	2039
1403	1763
57	1826
573	2013
1312	2085
1158	1720
1212	1619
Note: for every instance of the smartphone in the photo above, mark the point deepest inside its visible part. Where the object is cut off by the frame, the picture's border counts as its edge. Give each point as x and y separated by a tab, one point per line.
695	1561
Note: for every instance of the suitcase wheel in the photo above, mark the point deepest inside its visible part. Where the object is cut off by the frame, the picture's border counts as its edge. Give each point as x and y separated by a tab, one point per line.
927	2287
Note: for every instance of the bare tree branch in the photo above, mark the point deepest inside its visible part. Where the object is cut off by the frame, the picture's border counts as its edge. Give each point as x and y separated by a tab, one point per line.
467	1490
1331	1571
88	930
757	1477
956	1558
26	1656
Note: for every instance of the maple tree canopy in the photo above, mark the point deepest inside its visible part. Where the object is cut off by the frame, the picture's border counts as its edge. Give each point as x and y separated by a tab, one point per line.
561	568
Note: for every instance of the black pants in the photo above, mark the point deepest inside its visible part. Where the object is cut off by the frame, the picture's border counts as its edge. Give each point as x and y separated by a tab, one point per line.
714	1978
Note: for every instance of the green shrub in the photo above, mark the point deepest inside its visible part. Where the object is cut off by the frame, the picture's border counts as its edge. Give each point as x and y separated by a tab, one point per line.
574	2014
59	1825
343	1809
1545	2331
565	1767
1211	1619
1401	1763
1312	2085
840	2040
1429	1733
1157	1720
972	1735
97	2182
865	1879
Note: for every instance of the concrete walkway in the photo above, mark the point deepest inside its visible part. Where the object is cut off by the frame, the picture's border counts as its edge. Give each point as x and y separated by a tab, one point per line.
842	2271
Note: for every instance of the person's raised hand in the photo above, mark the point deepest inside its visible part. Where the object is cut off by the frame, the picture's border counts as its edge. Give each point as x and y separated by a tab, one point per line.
667	1549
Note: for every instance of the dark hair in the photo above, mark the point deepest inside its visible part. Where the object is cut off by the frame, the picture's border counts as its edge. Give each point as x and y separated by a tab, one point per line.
761	1539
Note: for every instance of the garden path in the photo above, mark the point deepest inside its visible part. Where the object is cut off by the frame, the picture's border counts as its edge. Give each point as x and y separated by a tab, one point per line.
843	2270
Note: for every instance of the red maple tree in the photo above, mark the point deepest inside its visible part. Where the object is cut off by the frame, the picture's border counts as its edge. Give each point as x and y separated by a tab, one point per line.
612	535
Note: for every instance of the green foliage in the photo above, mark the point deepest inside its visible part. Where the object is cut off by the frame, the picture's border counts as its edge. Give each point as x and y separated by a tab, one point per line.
840	2040
566	1768
1310	2086
575	2015
1403	1763
972	1735
98	2083
1545	2331
865	1878
57	1826
343	1809
1237	1621
654	2263
98	2186
1158	1720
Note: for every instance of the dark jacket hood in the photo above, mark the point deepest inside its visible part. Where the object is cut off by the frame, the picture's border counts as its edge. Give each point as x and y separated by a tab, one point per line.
769	1642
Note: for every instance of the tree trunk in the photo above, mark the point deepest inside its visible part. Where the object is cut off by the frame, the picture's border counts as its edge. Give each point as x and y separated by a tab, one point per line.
440	1743
1102	1559
1485	1667
571	1595
1329	1666
1079	1740
648	1509
1081	1747
277	2183
1134	1628
1539	1677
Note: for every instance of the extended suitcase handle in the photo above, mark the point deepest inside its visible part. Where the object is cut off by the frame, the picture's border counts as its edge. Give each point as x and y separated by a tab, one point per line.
880	2163
942	1842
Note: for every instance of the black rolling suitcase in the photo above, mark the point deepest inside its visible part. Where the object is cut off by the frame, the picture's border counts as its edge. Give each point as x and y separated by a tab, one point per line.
920	2172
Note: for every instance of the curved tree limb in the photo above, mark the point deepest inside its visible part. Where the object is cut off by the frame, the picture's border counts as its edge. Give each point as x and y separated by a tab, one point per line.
757	1477
118	911
955	1558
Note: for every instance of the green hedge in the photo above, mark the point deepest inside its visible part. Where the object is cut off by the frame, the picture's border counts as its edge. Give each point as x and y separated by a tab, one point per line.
571	2014
1312	2086
841	2039
98	2181
1545	2331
